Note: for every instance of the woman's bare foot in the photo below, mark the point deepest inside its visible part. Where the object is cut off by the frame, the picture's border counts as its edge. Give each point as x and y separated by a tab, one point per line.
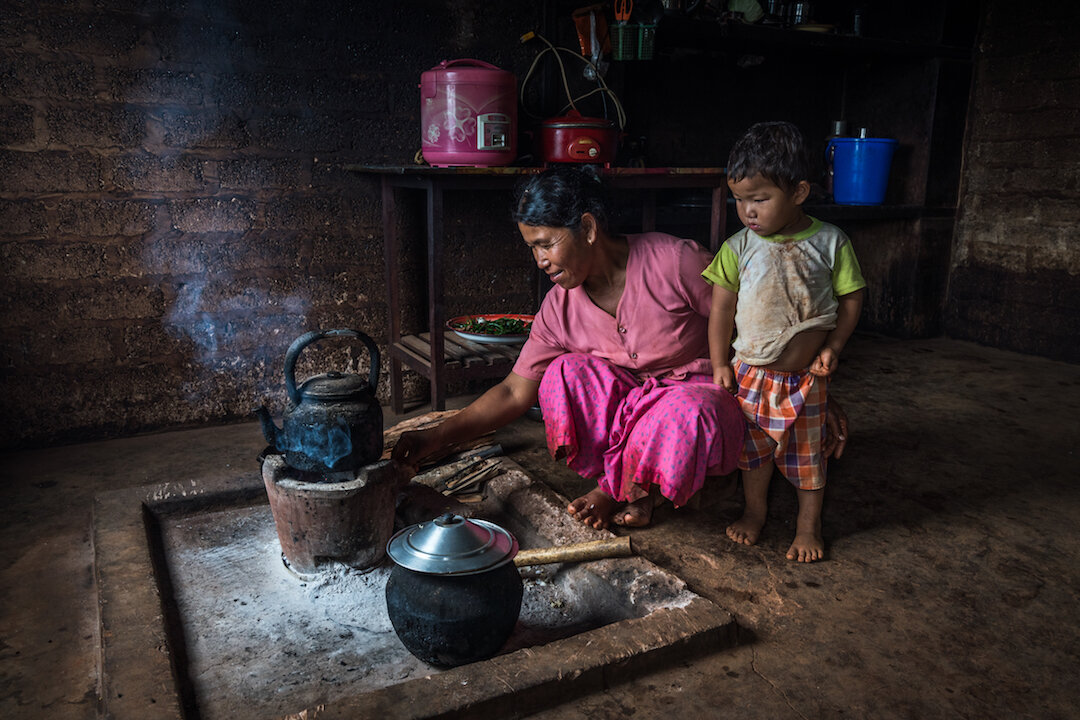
639	513
594	509
747	529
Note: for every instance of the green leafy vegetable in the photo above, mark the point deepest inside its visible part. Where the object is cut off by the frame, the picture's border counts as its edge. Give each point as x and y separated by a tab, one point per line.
498	326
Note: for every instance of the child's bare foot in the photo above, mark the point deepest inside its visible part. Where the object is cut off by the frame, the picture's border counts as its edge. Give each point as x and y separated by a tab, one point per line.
807	547
747	529
594	509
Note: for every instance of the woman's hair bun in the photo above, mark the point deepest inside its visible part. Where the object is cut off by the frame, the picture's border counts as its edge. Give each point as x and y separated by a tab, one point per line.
560	195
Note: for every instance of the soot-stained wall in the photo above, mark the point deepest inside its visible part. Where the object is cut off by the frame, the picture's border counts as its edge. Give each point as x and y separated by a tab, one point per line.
1015	279
173	208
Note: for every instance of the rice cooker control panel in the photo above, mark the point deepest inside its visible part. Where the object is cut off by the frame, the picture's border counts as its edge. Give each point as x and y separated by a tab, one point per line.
583	148
492	131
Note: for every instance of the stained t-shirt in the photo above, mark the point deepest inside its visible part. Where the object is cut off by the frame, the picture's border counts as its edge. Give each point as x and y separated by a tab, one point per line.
786	285
660	328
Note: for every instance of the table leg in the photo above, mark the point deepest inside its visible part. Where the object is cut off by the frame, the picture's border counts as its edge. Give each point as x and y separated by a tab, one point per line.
648	212
718	217
390	250
435	295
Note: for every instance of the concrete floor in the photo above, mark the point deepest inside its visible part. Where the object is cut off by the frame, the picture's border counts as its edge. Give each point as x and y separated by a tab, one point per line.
950	588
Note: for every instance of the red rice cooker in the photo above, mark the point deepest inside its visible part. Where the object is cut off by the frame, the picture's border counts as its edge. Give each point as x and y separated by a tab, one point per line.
576	139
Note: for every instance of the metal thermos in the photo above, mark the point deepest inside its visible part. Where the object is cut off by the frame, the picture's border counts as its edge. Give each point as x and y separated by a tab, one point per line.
839	129
801	13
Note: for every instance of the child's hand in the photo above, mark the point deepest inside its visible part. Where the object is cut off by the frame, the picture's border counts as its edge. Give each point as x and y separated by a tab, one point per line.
725	377
825	363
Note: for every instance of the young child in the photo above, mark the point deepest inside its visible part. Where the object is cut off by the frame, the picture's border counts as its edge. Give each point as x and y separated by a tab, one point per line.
789	288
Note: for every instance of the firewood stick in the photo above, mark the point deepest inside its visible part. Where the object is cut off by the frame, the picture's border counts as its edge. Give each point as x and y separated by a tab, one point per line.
438	477
480	451
473	480
577	552
460	482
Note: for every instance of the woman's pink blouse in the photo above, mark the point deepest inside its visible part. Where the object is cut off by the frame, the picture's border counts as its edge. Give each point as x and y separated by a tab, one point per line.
660	328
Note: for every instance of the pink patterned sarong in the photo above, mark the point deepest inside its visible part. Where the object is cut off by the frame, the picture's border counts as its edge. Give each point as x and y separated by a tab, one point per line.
628	435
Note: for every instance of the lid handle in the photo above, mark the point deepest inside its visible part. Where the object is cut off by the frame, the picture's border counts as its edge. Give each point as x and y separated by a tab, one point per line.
467	61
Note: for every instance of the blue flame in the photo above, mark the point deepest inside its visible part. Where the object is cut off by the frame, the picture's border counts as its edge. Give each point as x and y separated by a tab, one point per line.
327	443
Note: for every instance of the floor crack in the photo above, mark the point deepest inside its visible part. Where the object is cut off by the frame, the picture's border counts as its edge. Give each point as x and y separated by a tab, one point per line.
776	689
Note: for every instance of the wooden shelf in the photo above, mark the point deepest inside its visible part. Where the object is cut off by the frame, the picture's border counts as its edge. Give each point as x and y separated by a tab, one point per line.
461	358
878	212
441	356
691	212
685	33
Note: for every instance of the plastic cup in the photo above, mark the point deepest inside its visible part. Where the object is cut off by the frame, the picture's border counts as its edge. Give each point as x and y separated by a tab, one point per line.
624	40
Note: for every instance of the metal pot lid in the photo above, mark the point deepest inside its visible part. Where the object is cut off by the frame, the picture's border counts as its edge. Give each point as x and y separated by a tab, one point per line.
334	385
452	545
593	123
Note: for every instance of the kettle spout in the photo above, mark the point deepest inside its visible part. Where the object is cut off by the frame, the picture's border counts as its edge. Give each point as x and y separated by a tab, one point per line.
270	431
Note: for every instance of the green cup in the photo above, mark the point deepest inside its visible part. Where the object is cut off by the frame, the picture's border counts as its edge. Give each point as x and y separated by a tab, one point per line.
646	42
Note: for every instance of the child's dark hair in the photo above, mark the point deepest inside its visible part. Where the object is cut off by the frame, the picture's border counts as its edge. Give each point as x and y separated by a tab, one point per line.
560	195
774	150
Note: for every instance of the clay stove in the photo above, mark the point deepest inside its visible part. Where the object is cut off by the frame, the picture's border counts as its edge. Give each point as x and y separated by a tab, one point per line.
343	517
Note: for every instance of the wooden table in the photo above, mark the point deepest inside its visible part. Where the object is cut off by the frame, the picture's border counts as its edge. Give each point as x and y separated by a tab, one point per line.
444	357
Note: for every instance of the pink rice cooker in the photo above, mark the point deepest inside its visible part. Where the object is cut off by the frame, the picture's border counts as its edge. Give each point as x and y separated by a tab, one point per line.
468	114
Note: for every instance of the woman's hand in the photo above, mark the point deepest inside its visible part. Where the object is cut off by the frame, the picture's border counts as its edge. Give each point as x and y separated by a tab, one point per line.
414	446
836	430
499	405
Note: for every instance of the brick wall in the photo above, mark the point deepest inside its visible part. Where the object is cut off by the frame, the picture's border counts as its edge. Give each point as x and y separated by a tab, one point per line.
1015	280
173	210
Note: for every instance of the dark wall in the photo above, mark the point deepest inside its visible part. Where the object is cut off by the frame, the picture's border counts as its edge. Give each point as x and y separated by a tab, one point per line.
173	209
1015	280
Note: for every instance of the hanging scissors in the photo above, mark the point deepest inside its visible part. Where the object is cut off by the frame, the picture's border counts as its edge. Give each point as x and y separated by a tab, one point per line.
623	8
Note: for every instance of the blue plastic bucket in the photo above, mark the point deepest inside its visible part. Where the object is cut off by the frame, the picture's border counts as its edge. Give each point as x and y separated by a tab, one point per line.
860	169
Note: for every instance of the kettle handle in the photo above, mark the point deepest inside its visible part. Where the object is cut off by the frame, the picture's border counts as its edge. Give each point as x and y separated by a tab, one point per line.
306	339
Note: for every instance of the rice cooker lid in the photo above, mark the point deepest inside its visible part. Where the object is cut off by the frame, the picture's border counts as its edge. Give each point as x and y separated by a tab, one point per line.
452	545
577	121
467	70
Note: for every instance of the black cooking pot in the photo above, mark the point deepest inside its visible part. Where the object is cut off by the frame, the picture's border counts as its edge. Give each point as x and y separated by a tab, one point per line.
454	593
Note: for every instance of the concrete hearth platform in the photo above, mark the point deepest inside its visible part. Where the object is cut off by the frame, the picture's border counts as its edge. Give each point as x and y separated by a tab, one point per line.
949	589
191	587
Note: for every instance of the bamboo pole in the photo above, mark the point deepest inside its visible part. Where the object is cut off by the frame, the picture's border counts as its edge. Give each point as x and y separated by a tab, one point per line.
577	552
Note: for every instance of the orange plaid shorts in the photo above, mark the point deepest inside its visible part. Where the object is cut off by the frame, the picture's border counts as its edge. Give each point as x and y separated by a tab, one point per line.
785	414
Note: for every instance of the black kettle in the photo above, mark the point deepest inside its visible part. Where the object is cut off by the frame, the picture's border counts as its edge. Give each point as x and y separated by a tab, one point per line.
332	422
